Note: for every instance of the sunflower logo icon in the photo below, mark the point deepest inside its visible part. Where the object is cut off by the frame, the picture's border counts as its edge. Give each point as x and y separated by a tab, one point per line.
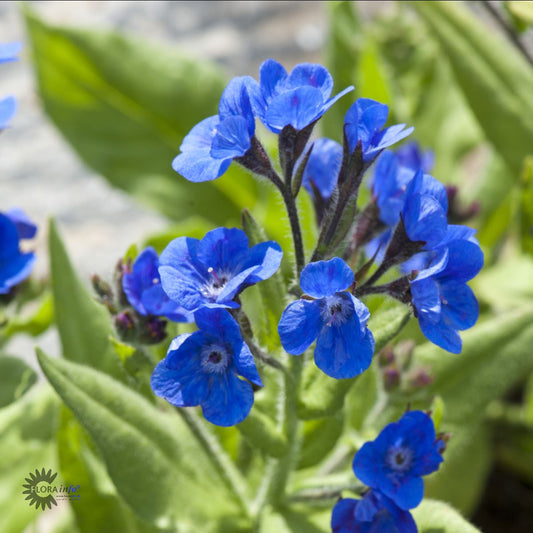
39	489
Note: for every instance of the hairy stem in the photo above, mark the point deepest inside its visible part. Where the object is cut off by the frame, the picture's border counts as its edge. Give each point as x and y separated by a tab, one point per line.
290	423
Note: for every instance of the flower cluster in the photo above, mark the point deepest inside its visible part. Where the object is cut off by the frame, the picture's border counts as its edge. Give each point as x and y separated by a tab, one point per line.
392	467
203	279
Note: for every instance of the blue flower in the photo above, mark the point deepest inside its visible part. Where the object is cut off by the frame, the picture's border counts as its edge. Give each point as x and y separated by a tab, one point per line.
211	272
297	99
210	147
15	266
374	513
8	105
411	156
203	368
322	169
425	210
334	318
142	286
395	462
443	301
389	187
364	122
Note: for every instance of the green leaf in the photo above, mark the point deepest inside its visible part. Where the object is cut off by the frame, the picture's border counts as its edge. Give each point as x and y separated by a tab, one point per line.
94	87
342	53
372	80
506	285
36	323
153	461
432	516
319	438
16	377
526	207
521	10
101	509
496	356
495	79
27	430
84	325
263	434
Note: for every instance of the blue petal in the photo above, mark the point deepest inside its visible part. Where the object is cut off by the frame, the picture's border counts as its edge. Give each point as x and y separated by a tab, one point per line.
25	227
9	239
199	167
8	51
410	155
141	278
406	495
441	334
460	307
266	256
229	401
402	520
297	107
218	323
232	138
325	278
342	517
340	353
156	302
182	275
333	99
323	167
179	377
222	249
429	263
362	312
389	136
312	75
235	101
424	220
8	106
272	75
245	365
201	135
362	120
465	260
235	285
195	163
299	326
426	299
14	270
367	465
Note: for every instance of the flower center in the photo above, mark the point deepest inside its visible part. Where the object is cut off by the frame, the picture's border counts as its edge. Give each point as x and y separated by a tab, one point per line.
399	458
215	359
215	284
336	310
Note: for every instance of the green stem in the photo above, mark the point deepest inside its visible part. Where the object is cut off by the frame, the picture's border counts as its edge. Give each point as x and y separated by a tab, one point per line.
294	219
222	463
283	468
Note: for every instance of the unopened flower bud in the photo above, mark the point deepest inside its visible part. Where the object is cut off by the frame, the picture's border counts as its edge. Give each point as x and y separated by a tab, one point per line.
391	377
